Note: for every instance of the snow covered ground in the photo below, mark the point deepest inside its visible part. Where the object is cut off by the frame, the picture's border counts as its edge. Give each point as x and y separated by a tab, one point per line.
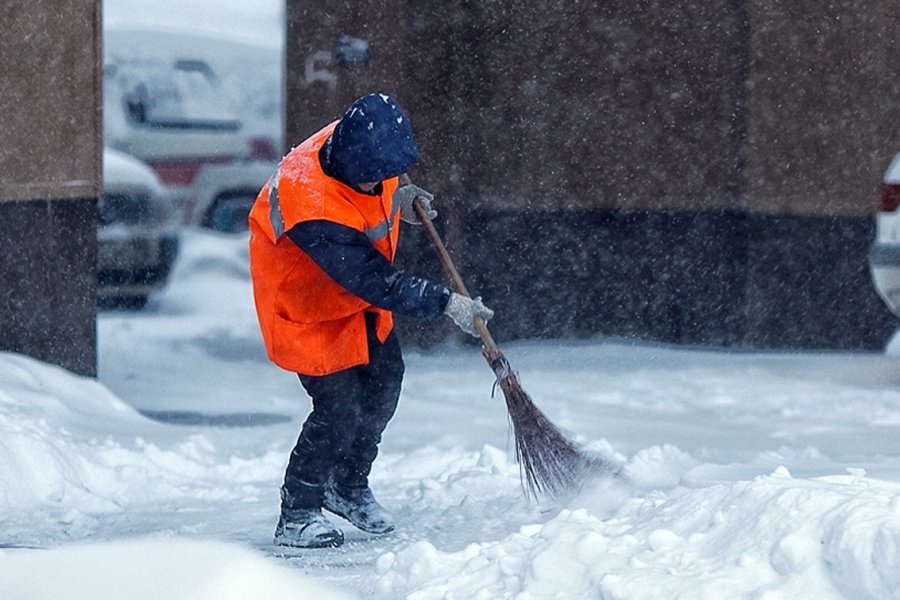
747	475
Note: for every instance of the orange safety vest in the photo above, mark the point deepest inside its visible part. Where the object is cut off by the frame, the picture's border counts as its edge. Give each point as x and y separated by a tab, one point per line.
309	323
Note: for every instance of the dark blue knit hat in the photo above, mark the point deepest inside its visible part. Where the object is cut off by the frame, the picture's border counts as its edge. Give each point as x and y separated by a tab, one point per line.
373	141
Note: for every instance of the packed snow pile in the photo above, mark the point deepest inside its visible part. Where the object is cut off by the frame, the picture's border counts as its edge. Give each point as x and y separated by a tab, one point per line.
823	537
55	445
746	475
72	452
830	537
153	569
71	455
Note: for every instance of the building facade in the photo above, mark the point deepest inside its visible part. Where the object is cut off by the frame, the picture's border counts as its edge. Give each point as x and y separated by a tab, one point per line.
695	172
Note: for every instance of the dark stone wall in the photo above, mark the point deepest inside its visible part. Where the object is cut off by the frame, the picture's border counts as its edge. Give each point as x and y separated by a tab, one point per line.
808	284
48	281
699	278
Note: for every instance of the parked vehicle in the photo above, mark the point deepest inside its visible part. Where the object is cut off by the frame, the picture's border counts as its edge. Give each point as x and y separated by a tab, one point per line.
137	233
884	254
165	104
223	195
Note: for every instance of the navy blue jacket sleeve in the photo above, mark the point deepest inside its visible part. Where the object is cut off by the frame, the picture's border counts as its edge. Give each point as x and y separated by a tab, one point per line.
348	257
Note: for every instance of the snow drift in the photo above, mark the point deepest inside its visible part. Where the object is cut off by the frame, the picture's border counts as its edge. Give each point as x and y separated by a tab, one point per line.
739	504
152	570
823	538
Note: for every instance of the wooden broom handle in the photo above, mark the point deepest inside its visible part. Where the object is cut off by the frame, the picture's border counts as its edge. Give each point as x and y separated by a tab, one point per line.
456	281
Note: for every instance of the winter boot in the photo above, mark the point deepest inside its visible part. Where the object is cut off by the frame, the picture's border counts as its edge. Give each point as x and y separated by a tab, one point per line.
307	529
358	505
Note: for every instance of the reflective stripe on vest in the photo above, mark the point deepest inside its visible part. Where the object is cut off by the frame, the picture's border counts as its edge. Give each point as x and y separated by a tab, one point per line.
375	234
383	229
275	217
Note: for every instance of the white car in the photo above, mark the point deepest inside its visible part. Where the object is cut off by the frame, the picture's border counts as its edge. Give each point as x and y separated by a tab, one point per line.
222	195
165	104
884	255
137	232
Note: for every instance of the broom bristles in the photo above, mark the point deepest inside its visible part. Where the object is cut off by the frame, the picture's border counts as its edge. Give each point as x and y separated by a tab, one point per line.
549	463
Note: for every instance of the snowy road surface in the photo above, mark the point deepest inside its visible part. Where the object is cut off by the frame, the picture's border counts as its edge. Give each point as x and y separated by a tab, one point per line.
748	475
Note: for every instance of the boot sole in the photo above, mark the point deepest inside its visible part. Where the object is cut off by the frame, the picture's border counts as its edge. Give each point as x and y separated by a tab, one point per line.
335	543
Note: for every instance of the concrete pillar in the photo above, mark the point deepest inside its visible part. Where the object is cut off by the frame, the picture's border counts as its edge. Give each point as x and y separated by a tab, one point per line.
50	178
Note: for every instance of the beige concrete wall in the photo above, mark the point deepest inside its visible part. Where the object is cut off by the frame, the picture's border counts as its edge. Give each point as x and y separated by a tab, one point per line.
765	106
317	88
50	86
612	105
543	104
824	107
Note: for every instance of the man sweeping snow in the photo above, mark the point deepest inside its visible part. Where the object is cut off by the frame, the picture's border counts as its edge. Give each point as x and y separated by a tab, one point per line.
323	235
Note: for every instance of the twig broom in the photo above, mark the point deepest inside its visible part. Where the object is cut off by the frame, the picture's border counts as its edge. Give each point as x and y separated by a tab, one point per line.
549	463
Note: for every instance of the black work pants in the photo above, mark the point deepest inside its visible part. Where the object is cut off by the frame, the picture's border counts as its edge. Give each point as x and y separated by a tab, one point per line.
350	410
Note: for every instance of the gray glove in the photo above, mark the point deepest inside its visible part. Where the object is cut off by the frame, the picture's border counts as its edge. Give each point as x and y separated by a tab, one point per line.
406	195
463	311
